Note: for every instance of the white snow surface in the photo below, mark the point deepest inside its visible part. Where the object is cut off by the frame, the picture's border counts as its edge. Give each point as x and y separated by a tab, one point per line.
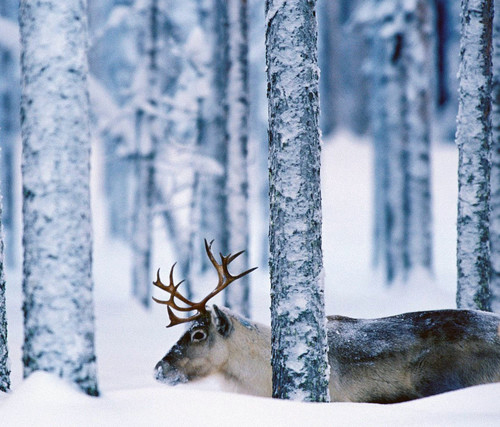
131	340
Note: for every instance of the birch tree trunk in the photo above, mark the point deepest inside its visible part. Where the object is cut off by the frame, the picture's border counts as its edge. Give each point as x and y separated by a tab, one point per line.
495	167
299	346
213	183
396	255
9	129
401	80
4	354
57	286
473	139
378	123
418	62
237	296
147	135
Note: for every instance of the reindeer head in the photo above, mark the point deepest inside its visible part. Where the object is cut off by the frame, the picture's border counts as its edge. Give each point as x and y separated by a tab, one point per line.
203	348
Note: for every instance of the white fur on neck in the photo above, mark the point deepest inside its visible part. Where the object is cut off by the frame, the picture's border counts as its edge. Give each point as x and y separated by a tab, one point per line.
249	363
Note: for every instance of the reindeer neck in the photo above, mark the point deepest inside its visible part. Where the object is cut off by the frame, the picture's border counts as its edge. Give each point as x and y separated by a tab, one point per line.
249	363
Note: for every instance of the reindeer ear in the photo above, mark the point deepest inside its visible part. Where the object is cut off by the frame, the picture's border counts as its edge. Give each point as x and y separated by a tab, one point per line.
222	322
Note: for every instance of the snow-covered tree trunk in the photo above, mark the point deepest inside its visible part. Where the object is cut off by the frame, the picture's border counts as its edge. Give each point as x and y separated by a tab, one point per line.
419	66
473	139
147	136
299	346
9	123
495	167
378	124
400	70
237	296
257	148
397	138
4	354
57	285
213	182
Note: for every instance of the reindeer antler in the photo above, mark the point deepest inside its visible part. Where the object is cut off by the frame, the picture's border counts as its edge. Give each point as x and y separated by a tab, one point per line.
225	279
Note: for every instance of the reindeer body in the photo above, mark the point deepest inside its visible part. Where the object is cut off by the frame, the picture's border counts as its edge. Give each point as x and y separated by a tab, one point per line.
412	355
386	360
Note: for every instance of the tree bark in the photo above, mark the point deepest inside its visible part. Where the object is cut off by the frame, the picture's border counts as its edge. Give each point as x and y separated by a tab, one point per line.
4	353
473	139
57	286
418	62
299	347
237	296
495	167
147	137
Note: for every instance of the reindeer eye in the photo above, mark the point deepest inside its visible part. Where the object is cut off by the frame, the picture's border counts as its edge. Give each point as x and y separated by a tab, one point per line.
198	336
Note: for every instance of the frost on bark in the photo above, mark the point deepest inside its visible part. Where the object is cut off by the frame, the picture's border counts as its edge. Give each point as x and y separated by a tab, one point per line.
495	167
418	63
237	296
4	355
146	137
299	346
57	284
473	140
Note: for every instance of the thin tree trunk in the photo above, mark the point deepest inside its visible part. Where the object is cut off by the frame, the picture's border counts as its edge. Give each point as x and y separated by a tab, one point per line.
418	54
473	139
495	168
299	346
237	296
4	354
213	184
329	52
378	121
397	139
58	304
147	135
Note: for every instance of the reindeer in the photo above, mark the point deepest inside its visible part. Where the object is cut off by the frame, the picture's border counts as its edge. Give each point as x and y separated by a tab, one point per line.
385	360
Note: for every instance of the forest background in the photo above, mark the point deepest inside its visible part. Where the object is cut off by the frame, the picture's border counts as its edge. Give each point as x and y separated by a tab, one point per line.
117	85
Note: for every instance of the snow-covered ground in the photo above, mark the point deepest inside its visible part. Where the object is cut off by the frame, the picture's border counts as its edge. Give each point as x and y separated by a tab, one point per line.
130	340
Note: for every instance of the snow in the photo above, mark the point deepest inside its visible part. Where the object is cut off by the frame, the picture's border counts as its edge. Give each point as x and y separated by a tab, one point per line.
130	340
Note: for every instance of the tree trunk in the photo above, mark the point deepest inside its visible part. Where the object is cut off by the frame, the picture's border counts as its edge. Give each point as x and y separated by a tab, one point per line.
473	139
400	69
495	167
58	304
418	54
397	140
9	130
378	122
213	183
147	136
4	354
299	347
237	297
329	44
